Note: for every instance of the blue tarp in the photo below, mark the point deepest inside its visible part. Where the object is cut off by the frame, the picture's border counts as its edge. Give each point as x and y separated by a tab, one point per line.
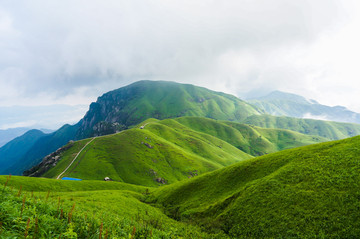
74	179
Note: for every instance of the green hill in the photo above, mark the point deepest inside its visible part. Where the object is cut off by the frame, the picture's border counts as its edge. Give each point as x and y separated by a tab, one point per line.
127	106
141	100
30	153
130	105
307	192
13	151
327	129
253	140
48	208
171	150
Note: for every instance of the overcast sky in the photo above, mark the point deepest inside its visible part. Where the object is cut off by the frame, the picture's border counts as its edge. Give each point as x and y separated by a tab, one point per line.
72	51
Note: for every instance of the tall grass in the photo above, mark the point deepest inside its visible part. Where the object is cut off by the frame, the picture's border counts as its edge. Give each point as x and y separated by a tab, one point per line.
47	215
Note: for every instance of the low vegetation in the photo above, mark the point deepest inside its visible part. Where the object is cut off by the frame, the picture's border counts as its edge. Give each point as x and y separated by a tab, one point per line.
306	192
171	150
83	213
327	129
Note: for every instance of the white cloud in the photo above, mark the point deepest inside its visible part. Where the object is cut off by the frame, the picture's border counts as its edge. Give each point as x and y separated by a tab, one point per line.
73	51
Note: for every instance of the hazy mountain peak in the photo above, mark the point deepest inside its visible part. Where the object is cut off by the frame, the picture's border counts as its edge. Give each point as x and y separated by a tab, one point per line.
280	103
280	95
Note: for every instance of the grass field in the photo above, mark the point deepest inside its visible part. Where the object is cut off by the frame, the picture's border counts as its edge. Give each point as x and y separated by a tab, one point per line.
49	208
172	150
307	192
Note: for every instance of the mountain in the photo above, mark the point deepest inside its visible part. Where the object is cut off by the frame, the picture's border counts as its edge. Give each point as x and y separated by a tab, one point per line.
11	152
132	104
141	100
168	151
6	135
307	192
327	129
286	104
35	149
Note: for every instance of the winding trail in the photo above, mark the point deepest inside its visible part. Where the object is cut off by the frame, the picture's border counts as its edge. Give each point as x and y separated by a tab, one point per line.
58	177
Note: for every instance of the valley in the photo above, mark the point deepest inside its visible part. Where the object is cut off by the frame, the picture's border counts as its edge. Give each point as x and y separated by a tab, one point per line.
182	161
310	191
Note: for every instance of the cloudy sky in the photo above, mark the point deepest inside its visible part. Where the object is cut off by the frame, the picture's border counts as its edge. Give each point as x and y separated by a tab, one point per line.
72	51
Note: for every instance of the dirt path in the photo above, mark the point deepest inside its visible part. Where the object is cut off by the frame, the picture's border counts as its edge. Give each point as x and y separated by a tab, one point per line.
58	177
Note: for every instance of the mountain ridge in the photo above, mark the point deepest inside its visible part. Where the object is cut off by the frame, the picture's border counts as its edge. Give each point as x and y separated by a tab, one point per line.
278	103
130	105
170	150
127	106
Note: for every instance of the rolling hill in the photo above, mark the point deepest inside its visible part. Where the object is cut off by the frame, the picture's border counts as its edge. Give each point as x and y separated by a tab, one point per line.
48	208
141	100
328	129
307	192
13	151
130	105
30	150
171	150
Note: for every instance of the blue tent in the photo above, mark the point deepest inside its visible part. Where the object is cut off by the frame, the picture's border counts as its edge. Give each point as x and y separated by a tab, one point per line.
74	179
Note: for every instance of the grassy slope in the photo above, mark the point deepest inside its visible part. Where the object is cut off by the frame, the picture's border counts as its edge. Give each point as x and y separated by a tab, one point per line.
250	139
42	147
160	99
182	147
11	152
125	157
326	129
311	191
46	184
115	206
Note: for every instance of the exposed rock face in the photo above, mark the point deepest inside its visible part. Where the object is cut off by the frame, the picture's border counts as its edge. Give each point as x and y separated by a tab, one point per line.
130	105
48	162
161	180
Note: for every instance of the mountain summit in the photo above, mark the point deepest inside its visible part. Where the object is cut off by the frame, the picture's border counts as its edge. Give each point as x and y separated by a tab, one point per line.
141	100
130	105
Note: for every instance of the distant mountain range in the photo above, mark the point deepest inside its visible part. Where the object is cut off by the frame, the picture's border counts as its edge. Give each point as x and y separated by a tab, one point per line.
6	135
307	192
130	105
225	176
279	103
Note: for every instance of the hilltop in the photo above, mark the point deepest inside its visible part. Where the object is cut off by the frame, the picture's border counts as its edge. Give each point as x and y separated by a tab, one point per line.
141	100
311	191
171	150
307	192
130	105
328	129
